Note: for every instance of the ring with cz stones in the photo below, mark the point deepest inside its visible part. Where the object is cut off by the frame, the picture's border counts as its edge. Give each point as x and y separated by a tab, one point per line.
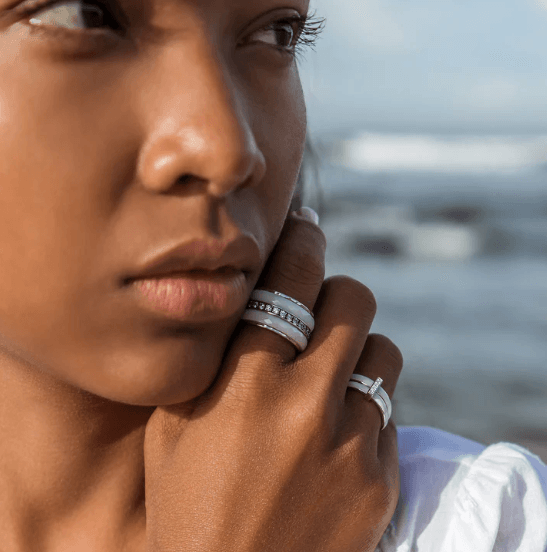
373	391
377	391
282	315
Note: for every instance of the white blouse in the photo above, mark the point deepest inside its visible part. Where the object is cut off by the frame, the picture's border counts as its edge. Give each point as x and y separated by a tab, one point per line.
460	496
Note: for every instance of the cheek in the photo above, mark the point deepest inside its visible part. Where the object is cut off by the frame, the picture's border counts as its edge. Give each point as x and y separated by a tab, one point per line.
284	129
283	134
67	142
53	210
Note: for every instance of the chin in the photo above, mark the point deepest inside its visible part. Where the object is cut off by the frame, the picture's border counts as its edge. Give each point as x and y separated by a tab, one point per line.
159	373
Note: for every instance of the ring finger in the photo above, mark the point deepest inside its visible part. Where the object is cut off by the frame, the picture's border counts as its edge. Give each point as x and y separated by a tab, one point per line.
380	358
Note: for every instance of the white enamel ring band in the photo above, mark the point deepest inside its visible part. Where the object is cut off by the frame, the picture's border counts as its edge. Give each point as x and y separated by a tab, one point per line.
286	303
379	396
377	389
282	315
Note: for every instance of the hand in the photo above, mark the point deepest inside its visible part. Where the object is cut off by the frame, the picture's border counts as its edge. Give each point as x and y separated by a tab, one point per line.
279	455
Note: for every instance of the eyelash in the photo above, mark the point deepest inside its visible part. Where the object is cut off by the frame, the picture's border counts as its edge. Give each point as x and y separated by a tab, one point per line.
307	27
308	30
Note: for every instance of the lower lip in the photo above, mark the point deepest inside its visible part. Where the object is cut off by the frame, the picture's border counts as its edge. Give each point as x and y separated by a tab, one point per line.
196	296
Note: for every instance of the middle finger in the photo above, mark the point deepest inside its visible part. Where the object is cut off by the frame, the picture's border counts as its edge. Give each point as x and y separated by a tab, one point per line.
345	310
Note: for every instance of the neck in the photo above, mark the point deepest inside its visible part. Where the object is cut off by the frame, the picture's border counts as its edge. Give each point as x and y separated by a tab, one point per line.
71	466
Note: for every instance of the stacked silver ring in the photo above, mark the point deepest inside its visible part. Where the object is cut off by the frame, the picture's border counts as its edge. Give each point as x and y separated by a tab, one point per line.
292	320
373	392
282	315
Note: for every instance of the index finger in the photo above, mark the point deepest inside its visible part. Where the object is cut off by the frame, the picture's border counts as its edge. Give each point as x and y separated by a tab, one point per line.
296	268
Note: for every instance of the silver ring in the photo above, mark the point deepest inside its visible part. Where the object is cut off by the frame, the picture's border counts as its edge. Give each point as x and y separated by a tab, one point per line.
379	392
282	315
280	303
301	305
378	397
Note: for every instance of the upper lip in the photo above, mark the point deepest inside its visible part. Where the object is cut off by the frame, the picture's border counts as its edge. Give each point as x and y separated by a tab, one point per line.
241	254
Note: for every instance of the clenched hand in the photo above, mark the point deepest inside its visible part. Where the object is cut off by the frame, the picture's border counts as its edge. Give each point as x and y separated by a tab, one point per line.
279	455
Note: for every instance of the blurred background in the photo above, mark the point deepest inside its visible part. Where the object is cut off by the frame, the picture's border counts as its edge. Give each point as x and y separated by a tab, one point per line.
429	120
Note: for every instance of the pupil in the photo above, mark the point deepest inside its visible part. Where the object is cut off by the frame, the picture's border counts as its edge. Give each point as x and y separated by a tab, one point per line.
93	16
287	35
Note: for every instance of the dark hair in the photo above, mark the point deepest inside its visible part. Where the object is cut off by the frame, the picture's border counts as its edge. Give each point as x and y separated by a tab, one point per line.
308	189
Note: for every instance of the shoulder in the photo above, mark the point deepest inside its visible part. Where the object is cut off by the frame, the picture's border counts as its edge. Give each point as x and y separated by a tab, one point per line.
457	495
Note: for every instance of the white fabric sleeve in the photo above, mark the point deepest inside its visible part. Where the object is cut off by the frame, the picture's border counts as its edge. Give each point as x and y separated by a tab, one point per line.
460	496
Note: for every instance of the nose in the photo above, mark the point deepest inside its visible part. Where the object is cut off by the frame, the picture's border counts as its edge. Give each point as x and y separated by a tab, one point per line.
199	127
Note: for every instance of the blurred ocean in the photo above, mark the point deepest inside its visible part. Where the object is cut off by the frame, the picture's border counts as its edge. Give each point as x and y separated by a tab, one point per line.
453	243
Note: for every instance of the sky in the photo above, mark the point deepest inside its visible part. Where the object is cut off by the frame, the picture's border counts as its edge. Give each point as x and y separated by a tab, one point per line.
463	66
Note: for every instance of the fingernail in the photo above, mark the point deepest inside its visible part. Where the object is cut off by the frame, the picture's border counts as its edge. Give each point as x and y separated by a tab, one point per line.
309	214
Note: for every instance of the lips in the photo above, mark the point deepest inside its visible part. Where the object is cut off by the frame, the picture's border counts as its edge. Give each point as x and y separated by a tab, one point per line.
197	281
241	254
195	297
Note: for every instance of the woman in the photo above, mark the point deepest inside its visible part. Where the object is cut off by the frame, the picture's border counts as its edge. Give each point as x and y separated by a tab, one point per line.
150	156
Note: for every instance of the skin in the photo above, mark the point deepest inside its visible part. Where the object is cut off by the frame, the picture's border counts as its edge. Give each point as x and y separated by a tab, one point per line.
111	150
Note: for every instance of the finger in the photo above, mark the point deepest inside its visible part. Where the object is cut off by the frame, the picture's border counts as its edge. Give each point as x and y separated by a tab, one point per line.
295	268
388	458
345	310
388	453
380	358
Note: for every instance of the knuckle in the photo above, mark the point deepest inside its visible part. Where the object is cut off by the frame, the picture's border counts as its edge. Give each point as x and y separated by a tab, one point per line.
372	477
308	419
388	348
357	451
304	267
300	259
299	256
382	494
388	487
358	455
372	483
352	451
258	383
354	294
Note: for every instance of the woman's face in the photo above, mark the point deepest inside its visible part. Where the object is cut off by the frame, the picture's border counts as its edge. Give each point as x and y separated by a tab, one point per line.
124	131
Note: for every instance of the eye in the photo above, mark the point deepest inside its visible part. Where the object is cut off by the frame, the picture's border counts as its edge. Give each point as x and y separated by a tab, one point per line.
280	34
290	34
74	16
